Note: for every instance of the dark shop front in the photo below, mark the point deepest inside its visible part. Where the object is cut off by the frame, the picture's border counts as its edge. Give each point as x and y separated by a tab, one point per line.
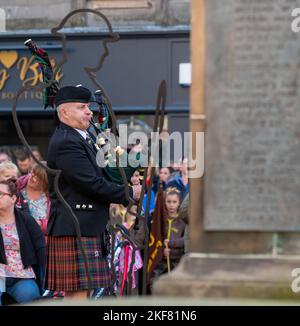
130	74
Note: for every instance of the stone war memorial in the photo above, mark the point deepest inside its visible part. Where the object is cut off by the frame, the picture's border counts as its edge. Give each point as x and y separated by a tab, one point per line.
244	213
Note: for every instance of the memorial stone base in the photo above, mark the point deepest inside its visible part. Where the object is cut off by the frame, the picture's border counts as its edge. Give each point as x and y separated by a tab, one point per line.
231	276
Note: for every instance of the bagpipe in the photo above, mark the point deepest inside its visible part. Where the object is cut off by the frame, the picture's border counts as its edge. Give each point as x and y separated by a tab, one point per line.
100	130
41	56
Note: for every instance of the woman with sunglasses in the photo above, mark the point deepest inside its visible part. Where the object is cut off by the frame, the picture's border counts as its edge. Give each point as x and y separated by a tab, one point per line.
22	249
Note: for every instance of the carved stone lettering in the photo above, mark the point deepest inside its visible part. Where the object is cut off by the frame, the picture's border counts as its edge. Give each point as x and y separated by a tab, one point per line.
252	171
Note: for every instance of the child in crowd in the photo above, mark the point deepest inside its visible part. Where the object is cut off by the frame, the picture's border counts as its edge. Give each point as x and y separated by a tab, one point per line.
174	233
116	214
174	228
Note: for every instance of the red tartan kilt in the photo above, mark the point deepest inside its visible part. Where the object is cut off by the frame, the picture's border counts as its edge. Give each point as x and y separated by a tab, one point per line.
65	269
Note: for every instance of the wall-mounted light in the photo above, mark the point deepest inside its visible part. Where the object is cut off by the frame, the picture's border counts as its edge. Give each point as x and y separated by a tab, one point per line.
185	74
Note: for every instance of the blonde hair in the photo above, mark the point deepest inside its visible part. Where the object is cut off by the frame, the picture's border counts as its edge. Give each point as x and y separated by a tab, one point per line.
173	191
130	218
7	165
117	213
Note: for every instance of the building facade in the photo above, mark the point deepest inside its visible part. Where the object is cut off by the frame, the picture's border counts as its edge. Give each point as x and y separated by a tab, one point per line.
154	42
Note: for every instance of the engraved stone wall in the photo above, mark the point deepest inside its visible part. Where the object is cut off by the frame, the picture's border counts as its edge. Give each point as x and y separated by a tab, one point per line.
252	167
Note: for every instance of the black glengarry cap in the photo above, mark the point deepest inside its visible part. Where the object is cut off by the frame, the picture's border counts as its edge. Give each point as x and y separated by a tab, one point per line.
73	94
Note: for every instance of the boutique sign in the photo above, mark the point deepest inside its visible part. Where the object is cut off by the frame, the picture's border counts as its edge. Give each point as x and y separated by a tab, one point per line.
24	68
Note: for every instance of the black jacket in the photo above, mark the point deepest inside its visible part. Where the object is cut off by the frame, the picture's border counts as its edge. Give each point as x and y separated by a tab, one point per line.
82	185
32	244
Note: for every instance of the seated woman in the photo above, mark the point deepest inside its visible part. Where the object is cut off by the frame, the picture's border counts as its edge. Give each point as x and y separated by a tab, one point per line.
34	196
22	249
